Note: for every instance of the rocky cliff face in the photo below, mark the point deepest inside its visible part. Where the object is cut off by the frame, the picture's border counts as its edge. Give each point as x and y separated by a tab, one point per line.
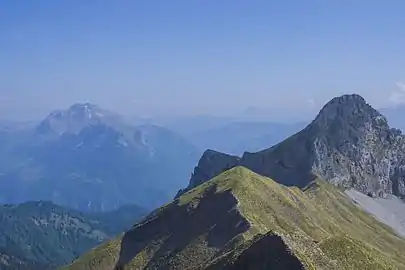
348	144
211	164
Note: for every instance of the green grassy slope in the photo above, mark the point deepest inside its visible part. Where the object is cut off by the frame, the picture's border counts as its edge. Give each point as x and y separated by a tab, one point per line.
223	223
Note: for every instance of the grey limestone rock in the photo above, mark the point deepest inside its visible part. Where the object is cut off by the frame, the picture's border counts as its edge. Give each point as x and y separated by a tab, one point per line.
211	164
349	144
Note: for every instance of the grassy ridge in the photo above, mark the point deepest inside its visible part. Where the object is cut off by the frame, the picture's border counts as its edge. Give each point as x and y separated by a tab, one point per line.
323	229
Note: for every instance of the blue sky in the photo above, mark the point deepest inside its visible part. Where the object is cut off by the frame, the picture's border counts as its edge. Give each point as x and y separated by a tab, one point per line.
199	57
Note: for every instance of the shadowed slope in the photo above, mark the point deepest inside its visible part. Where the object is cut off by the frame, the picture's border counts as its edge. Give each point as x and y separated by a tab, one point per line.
264	252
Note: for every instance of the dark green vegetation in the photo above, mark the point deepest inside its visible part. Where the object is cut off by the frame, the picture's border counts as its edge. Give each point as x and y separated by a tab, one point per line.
91	159
235	218
42	235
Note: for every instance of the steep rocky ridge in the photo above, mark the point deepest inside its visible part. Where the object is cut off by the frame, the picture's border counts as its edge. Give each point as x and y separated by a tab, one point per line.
348	144
238	216
211	164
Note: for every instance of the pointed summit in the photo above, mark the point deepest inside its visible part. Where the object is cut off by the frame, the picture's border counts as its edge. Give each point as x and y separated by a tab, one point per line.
348	144
351	109
348	101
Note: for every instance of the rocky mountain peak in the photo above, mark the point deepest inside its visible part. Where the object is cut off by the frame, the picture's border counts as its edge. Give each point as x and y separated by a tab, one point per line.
349	144
348	109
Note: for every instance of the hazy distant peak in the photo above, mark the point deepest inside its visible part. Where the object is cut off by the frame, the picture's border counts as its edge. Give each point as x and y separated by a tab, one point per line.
84	106
81	110
77	117
87	110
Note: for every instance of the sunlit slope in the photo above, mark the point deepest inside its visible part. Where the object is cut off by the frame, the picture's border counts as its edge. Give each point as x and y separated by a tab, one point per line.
237	217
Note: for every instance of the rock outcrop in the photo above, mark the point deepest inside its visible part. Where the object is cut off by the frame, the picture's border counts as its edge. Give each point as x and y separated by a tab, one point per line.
349	144
211	164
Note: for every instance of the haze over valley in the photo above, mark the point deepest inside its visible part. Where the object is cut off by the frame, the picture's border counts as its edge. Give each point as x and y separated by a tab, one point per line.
202	135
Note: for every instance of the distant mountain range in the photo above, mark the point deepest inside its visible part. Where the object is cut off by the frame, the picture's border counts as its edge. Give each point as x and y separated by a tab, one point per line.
89	158
231	135
41	235
92	159
327	197
239	137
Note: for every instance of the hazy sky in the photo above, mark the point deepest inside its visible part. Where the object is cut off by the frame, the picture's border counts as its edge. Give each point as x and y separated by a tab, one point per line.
193	57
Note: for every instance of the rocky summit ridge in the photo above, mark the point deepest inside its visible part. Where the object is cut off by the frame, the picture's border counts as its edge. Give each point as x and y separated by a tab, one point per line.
348	144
